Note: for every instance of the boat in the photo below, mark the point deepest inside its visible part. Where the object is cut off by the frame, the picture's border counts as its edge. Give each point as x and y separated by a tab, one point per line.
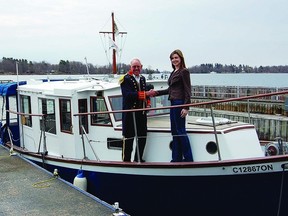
75	125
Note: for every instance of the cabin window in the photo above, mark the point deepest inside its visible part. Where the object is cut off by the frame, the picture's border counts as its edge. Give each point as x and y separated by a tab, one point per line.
65	115
47	107
114	143
98	105
116	103
160	101
83	119
25	102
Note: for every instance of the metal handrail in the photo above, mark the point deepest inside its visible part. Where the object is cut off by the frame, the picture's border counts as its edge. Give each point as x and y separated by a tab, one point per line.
166	107
186	105
42	128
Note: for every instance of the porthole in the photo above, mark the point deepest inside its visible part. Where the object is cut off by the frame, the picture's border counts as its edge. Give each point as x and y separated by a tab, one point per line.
211	147
170	144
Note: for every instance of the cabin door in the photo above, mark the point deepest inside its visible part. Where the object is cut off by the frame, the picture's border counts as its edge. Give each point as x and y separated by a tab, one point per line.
82	108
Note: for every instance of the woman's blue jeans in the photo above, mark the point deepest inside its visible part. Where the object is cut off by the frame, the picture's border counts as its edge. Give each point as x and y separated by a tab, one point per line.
181	149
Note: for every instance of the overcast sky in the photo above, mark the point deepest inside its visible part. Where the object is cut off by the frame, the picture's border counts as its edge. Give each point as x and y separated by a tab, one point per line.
250	32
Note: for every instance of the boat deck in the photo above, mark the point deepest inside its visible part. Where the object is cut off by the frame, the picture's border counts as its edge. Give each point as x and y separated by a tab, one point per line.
22	195
194	123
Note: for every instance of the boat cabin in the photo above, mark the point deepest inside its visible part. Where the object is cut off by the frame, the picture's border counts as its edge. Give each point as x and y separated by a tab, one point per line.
81	119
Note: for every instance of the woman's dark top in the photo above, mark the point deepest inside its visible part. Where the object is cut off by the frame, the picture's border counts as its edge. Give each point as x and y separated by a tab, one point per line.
179	86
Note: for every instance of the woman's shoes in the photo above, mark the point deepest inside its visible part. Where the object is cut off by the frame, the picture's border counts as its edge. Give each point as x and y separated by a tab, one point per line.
142	161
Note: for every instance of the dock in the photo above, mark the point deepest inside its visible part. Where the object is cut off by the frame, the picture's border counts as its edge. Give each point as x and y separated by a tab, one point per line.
27	189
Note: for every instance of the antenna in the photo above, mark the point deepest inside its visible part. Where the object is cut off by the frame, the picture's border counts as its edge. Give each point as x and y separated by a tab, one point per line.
87	68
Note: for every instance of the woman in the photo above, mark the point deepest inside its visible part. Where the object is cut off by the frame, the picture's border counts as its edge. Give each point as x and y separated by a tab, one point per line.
179	91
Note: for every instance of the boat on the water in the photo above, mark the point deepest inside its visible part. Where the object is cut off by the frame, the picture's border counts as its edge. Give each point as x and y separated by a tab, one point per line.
73	125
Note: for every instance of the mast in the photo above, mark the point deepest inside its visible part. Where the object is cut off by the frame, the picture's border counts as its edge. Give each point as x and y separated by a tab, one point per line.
113	32
114	66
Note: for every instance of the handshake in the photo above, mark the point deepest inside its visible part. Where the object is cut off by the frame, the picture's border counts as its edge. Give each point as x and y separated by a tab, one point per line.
151	93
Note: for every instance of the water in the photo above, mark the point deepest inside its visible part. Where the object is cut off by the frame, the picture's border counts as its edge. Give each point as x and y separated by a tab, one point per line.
243	79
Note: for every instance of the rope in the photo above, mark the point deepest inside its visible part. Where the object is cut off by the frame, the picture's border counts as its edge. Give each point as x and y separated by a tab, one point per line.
105	47
281	188
105	43
12	137
122	44
44	183
5	156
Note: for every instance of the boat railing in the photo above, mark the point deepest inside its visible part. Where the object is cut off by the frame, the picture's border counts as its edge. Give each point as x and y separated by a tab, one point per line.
84	134
199	104
42	129
208	104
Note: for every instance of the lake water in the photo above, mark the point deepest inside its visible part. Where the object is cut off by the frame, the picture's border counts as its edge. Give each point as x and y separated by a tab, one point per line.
243	79
261	80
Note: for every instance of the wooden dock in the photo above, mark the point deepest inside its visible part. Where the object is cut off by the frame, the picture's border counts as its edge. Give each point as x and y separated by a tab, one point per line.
27	189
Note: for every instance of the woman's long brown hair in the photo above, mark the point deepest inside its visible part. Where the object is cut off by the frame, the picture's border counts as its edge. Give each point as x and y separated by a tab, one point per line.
180	54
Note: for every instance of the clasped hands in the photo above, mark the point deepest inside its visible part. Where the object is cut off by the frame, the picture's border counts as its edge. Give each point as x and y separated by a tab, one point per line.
151	93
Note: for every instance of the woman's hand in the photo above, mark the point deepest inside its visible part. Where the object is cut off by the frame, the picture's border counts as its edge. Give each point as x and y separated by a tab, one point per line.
151	93
184	113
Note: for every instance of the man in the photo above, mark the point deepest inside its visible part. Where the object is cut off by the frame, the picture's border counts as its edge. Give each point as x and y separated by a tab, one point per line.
135	96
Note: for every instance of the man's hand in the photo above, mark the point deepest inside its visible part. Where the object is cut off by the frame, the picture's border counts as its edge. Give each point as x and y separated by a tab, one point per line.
150	93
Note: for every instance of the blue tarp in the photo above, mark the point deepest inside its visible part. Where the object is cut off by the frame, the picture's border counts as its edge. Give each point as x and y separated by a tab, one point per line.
9	89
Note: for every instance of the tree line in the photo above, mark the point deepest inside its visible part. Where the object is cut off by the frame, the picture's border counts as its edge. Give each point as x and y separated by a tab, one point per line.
25	67
219	68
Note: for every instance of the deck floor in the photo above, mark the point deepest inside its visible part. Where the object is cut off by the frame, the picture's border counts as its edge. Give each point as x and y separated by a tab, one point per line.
192	123
19	196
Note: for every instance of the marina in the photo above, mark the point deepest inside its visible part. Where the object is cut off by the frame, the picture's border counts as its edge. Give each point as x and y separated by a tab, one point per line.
27	189
75	125
63	139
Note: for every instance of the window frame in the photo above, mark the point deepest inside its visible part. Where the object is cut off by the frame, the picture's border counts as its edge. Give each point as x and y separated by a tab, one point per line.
105	116
84	118
48	117
26	106
64	130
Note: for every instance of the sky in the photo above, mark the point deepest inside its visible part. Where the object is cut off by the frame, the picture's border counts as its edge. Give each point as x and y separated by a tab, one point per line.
247	32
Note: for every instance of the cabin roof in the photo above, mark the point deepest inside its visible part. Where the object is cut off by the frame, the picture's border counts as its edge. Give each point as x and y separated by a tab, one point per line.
9	89
66	86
